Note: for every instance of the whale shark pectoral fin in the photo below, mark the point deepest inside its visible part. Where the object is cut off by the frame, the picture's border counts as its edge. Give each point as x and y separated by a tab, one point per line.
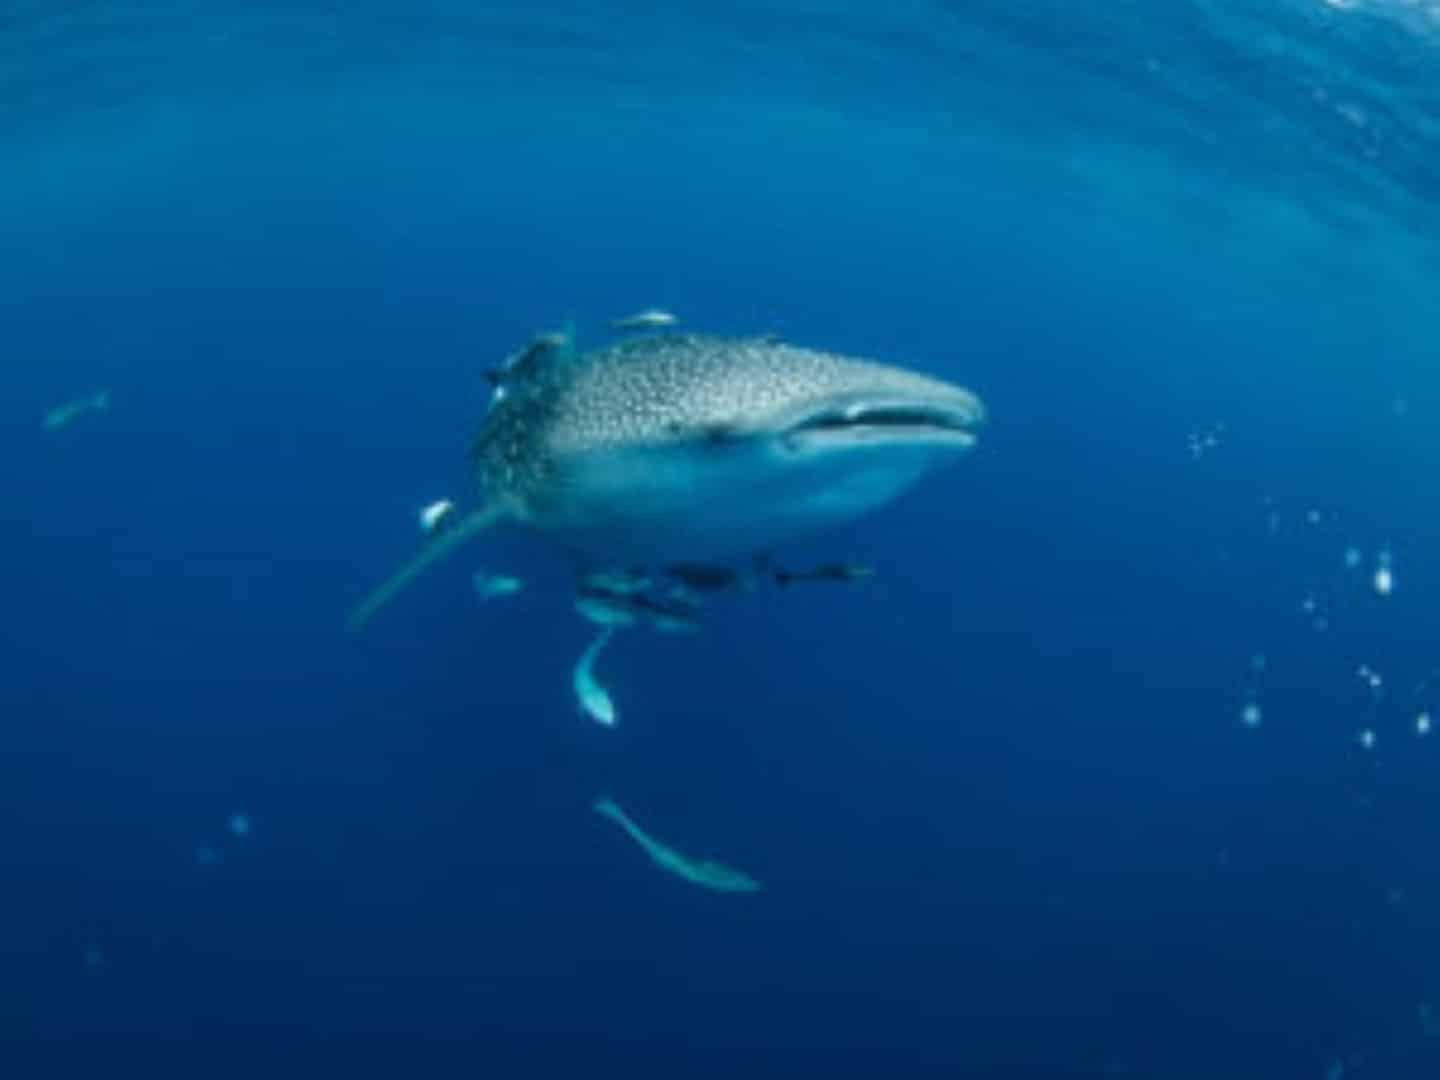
442	546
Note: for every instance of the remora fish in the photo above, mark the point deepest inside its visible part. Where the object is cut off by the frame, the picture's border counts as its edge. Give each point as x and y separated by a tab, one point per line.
649	319
616	582
622	609
825	572
688	448
594	700
666	615
704	576
489	586
437	516
605	609
703	872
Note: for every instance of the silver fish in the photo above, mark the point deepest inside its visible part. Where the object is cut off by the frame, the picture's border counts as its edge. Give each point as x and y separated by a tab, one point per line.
618	582
703	872
490	586
606	609
594	700
649	319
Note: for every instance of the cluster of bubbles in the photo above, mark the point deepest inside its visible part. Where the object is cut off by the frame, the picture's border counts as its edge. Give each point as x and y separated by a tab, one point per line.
1344	586
1379	577
1358	571
1203	440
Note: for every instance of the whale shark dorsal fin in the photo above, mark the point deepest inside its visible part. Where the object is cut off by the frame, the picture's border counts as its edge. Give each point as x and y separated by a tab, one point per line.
441	547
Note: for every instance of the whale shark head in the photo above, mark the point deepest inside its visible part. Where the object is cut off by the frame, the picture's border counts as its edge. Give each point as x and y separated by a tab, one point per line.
687	446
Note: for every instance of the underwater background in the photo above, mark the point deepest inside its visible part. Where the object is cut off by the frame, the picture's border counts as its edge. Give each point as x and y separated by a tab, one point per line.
1118	766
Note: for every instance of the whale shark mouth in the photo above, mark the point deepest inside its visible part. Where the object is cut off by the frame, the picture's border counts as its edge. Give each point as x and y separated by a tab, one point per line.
889	422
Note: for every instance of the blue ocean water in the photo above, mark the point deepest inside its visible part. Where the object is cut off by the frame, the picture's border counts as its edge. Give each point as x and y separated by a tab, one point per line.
1004	800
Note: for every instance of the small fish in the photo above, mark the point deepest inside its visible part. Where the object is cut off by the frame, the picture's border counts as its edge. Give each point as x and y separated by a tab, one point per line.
649	319
668	617
616	582
489	586
612	609
704	576
594	700
673	624
239	825
436	517
63	415
825	572
682	596
702	872
605	609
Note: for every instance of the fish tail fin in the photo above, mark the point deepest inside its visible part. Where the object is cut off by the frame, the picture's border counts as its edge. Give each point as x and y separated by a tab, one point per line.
447	543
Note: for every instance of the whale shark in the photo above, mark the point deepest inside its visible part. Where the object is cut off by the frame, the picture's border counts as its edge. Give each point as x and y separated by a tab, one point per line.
680	447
